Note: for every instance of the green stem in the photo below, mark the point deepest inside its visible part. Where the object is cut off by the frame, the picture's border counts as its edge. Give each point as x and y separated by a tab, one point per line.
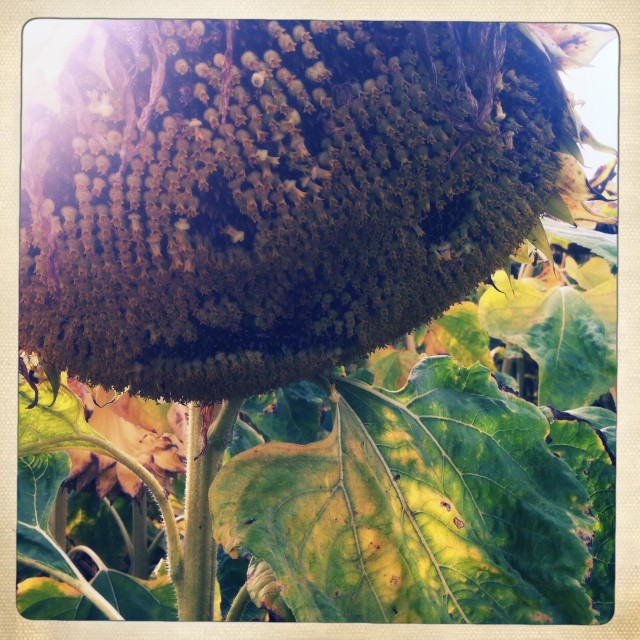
102	445
139	561
79	583
58	518
196	588
520	376
238	604
174	548
88	552
123	530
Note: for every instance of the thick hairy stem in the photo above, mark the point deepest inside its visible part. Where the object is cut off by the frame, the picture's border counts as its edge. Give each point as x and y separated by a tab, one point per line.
197	586
174	548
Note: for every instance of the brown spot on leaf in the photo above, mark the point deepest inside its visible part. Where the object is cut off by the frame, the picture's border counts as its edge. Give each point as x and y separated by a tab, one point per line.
459	523
445	505
272	408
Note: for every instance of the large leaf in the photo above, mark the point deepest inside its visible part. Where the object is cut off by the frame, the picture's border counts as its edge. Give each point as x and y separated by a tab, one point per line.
291	414
458	333
134	599
602	244
574	349
583	449
439	502
39	478
48	599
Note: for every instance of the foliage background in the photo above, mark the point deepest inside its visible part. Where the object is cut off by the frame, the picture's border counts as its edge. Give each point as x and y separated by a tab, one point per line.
626	621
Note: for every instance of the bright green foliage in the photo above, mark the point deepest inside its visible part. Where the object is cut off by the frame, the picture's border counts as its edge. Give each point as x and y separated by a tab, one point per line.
561	332
292	414
423	505
580	446
602	244
39	478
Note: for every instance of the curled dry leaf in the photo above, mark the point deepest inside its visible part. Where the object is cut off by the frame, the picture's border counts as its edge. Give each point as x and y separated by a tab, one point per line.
144	429
580	43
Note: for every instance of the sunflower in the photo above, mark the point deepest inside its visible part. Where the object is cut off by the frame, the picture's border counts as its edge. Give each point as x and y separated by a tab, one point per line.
215	208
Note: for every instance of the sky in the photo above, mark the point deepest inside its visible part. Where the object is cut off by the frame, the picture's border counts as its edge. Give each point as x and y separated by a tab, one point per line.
597	85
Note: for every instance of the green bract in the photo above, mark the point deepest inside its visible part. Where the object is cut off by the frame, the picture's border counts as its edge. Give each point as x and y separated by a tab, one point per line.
218	208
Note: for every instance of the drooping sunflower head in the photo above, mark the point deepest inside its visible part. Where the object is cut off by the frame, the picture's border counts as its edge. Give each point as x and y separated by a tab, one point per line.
216	208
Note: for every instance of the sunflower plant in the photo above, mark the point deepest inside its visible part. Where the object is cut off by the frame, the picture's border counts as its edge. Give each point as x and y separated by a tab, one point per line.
220	220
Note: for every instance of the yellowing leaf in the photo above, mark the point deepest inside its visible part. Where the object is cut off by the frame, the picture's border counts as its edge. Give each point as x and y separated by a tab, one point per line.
524	253
602	299
549	277
514	308
563	334
391	366
590	274
416	498
604	174
573	180
46	599
459	333
588	214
